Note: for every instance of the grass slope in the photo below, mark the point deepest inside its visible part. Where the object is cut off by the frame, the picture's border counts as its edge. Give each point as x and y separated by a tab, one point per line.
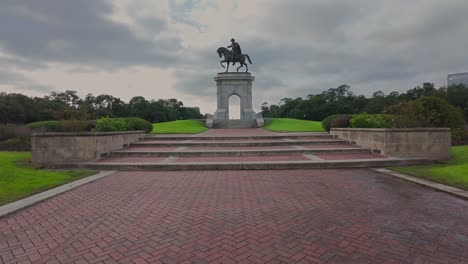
19	180
179	127
453	172
293	125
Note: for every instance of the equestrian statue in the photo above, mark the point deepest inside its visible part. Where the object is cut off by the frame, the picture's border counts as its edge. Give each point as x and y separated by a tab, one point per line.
233	56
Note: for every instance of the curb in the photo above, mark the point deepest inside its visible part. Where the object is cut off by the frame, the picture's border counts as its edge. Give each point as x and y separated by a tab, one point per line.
31	200
430	184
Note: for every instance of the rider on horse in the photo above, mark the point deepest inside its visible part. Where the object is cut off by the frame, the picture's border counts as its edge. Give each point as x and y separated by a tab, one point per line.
236	51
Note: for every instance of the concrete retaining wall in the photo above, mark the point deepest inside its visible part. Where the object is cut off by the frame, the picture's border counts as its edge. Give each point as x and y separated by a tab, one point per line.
58	148
433	143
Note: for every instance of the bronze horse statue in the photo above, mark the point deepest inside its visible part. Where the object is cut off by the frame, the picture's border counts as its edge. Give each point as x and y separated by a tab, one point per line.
228	58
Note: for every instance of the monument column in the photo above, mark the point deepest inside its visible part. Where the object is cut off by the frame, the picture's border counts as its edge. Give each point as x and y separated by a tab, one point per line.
239	84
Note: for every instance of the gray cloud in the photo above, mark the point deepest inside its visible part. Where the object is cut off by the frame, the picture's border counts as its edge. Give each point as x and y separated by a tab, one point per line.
20	82
78	32
297	47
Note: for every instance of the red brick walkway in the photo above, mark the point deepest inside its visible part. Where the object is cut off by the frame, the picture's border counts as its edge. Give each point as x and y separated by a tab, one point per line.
334	216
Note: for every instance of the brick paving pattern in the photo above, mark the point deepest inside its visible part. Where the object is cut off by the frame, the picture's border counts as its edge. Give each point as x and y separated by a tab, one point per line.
300	216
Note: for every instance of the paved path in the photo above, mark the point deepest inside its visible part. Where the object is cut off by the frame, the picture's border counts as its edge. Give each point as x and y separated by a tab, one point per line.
316	216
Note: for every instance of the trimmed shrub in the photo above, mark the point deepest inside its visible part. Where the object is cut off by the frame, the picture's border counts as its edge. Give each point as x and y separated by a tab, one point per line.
459	136
426	112
341	121
78	125
46	126
16	144
62	126
9	131
136	123
366	120
326	123
106	124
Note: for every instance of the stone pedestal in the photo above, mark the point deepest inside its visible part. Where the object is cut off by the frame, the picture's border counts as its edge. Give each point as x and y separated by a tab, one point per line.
240	84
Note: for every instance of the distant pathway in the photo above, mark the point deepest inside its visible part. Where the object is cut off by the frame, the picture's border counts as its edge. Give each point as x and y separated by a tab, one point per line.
303	216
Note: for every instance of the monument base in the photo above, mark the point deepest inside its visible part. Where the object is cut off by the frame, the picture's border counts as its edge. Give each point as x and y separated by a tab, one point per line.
239	84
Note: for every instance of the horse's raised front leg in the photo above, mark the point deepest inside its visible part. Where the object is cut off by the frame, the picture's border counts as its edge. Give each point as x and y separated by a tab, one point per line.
221	62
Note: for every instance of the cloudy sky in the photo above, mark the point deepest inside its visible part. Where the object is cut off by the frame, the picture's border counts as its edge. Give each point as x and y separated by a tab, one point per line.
166	48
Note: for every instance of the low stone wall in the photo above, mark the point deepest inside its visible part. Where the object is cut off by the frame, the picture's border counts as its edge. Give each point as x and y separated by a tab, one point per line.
259	120
59	148
433	143
209	121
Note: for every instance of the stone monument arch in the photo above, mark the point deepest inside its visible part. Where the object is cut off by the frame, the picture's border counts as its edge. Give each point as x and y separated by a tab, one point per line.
239	84
234	83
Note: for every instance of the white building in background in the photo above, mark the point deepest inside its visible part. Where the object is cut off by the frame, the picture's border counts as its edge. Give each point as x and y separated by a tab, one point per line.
457	78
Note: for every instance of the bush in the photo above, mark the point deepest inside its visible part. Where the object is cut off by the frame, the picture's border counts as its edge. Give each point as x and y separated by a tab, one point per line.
366	120
427	112
46	126
16	144
13	131
326	123
459	137
340	121
137	123
78	125
106	124
62	126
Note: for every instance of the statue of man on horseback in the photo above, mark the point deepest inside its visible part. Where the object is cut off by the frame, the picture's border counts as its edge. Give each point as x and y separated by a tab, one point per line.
233	56
236	50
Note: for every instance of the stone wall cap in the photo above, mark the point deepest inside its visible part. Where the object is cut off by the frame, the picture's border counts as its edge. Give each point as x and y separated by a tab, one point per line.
87	134
234	76
418	129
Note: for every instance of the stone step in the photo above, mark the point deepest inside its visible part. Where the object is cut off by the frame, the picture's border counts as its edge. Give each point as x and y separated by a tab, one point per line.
235	143
141	152
243	165
209	138
234	123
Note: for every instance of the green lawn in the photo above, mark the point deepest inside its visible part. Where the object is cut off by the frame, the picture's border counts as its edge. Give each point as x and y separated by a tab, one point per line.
293	125
453	172
179	127
18	179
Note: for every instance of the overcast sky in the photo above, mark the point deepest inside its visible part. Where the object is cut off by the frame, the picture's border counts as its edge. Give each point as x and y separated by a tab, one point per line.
166	49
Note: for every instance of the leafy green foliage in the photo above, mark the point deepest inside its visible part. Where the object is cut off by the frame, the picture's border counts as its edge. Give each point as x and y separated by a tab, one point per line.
179	127
459	136
106	124
292	125
62	126
136	123
18	179
16	144
12	131
341	100
341	121
366	120
427	112
453	172
22	109
46	126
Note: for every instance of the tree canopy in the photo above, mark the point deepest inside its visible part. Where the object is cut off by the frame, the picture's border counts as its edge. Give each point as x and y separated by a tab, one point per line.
21	109
341	100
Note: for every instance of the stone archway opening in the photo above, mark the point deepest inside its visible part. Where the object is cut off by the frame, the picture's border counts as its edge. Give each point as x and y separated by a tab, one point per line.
234	107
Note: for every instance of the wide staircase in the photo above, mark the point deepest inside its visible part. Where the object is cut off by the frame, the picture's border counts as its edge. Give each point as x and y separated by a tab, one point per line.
234	123
239	149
